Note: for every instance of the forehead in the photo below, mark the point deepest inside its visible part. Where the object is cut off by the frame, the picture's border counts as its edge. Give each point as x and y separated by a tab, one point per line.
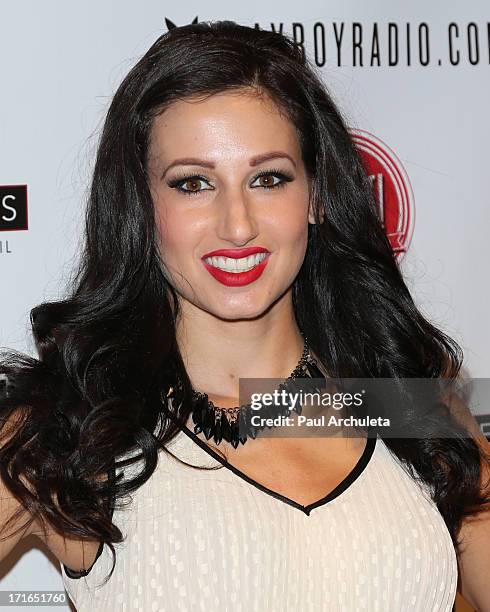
223	126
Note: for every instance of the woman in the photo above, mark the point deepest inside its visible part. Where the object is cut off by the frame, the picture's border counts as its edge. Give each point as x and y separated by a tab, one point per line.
222	137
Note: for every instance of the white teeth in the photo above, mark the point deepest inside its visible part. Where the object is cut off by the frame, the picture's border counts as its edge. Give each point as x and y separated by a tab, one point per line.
236	265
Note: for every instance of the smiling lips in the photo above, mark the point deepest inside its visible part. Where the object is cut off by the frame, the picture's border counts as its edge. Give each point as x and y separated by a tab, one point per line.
236	267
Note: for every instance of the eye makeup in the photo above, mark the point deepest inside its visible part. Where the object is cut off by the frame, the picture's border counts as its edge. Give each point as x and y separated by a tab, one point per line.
180	180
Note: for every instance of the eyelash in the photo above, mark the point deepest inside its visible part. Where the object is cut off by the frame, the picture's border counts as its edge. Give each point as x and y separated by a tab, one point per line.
177	182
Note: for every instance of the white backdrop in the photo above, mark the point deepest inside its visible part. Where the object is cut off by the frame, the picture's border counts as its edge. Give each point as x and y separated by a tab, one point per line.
62	62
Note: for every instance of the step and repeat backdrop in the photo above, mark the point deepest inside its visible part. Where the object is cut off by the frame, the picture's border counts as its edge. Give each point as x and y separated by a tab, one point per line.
412	81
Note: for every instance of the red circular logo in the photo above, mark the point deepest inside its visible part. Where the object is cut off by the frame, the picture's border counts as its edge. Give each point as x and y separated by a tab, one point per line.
392	189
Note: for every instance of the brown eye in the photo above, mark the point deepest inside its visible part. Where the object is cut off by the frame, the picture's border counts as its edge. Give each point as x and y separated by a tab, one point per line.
267	180
271	179
193	184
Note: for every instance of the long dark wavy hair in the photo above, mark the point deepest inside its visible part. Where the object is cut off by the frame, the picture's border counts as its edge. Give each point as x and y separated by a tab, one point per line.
109	347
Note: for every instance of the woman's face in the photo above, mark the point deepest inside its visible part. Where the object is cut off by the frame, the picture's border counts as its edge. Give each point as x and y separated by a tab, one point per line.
226	173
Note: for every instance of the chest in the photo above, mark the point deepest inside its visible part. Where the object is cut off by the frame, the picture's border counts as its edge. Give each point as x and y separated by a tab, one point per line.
205	539
304	471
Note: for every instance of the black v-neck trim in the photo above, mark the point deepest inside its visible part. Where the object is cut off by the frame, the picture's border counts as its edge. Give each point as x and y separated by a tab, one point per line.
338	490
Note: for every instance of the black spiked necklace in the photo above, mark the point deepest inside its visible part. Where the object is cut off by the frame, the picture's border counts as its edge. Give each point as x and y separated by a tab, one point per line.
234	424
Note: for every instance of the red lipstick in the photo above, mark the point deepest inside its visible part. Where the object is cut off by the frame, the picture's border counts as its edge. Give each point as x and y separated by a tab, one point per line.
236	279
235	253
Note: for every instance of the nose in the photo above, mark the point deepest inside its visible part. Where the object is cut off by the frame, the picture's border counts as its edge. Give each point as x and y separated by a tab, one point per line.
236	221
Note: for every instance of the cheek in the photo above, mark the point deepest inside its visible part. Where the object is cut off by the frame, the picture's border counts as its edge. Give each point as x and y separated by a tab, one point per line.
178	236
170	237
290	225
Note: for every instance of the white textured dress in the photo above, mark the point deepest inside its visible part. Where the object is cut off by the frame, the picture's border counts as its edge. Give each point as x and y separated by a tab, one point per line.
217	540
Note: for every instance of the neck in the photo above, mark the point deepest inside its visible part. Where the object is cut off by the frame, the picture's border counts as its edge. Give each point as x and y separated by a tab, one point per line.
218	353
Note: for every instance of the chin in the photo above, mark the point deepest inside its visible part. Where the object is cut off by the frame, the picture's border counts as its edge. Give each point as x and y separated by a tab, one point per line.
236	311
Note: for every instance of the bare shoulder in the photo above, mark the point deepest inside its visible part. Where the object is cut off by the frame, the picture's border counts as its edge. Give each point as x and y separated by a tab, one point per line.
16	523
474	560
76	554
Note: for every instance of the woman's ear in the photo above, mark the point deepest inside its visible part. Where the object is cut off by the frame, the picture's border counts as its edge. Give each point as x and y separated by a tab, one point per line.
311	210
311	215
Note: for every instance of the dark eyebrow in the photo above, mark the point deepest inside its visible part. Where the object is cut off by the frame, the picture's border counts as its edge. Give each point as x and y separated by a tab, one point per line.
254	161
